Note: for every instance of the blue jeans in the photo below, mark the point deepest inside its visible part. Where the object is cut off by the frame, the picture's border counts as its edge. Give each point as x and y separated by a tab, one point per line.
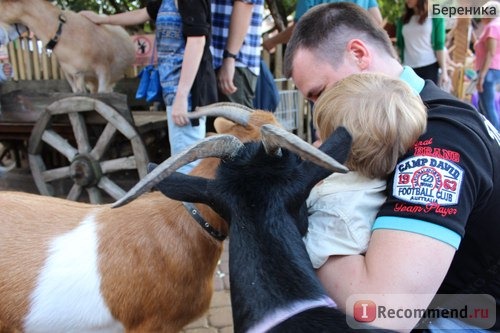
487	97
181	137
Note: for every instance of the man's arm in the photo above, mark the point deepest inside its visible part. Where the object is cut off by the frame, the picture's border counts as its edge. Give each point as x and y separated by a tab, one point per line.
281	37
396	262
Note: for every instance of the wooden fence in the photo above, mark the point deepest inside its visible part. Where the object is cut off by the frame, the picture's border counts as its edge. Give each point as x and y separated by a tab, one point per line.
31	61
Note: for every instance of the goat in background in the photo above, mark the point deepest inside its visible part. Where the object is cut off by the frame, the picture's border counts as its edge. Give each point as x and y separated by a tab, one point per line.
260	190
91	56
146	267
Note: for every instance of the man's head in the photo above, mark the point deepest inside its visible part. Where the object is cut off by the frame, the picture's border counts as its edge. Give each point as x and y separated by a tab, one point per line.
332	41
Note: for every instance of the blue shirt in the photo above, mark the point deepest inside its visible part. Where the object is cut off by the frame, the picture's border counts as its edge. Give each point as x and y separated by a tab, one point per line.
171	45
304	5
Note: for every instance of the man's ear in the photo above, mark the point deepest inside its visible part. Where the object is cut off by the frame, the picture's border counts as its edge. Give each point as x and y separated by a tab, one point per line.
359	53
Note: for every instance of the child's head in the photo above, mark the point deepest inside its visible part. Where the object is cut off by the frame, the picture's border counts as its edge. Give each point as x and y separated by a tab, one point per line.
384	116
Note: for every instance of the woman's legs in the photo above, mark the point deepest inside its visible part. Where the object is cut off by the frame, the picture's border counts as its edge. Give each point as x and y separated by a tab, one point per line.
430	72
487	97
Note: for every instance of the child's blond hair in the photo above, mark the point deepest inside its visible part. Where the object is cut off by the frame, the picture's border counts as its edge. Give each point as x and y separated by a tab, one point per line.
384	116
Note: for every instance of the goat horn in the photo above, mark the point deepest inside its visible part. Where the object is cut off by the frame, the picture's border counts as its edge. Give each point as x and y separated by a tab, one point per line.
274	138
222	146
235	112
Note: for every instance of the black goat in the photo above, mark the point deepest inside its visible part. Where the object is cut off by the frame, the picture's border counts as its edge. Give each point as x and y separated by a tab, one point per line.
261	193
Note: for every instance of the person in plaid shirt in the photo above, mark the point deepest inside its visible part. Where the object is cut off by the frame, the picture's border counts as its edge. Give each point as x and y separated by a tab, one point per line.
236	40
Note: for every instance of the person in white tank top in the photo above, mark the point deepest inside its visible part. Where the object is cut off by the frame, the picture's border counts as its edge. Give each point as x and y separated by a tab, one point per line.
421	42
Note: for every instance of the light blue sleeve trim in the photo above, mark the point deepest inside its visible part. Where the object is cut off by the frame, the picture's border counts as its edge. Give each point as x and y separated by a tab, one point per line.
419	227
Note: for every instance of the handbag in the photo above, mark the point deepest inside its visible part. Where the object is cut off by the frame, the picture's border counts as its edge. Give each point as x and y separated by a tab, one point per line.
149	84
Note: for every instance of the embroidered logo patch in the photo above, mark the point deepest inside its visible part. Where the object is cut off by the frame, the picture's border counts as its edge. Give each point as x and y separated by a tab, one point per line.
423	180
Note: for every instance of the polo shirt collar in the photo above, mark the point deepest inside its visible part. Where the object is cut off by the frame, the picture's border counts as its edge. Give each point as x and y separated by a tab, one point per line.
413	80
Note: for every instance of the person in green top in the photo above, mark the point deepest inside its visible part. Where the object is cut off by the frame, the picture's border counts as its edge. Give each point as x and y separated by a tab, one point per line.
421	42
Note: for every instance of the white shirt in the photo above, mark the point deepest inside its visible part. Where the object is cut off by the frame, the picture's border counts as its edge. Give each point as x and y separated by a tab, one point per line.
418	51
342	209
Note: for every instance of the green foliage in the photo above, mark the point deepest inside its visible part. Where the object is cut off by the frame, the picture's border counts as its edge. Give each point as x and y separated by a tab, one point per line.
288	5
391	9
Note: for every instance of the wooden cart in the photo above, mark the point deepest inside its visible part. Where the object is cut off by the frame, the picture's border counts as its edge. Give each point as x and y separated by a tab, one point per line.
81	147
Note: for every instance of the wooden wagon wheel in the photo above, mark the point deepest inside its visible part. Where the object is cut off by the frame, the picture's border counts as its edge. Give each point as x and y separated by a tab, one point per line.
88	160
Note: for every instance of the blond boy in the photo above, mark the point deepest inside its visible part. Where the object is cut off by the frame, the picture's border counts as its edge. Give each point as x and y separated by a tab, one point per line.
385	118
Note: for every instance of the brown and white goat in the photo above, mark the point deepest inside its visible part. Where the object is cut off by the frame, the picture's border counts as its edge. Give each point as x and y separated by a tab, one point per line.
144	267
91	56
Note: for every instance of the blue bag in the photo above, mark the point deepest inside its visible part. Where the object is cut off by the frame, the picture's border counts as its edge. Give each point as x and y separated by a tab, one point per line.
142	89
154	93
267	96
149	83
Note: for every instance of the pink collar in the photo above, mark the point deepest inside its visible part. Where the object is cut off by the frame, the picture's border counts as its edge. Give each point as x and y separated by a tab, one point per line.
280	315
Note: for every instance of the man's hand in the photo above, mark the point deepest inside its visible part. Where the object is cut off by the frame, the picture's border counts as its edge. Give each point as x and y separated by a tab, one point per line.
225	77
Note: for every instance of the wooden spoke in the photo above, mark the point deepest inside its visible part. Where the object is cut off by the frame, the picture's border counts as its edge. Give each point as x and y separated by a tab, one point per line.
56	174
80	130
59	143
104	141
95	195
75	192
123	163
111	188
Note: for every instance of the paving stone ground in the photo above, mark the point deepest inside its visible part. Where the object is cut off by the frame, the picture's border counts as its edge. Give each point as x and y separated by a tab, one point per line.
218	319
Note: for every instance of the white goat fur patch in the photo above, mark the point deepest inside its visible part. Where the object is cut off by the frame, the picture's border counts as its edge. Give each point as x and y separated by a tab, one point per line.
67	295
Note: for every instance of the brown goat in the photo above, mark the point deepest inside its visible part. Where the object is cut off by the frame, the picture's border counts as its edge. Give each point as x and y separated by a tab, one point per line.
144	267
91	56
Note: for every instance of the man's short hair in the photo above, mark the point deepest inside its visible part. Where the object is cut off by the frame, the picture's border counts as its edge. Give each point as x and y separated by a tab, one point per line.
327	28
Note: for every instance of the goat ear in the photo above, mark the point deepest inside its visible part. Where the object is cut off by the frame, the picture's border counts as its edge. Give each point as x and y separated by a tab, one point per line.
182	187
338	145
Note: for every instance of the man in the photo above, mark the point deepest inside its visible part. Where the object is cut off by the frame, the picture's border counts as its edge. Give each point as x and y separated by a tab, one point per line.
438	230
236	39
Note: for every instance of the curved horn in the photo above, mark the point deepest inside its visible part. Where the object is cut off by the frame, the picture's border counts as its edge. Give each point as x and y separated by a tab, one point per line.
274	138
235	112
222	146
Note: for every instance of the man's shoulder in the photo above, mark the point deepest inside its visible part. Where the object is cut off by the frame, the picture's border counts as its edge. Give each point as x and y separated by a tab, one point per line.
443	104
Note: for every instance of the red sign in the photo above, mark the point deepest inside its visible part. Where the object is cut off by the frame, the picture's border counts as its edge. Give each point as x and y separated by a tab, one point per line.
144	45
